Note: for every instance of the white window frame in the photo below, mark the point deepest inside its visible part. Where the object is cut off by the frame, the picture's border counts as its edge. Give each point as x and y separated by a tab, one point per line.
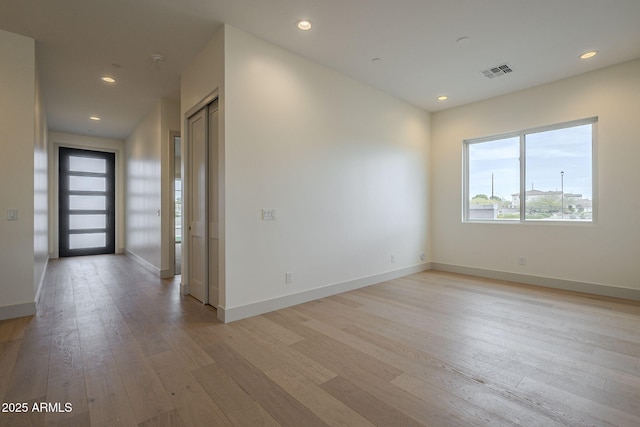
523	169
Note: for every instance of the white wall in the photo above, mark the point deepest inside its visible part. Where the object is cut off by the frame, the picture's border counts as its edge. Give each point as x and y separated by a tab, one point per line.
595	258
40	193
143	184
19	130
148	187
344	165
57	140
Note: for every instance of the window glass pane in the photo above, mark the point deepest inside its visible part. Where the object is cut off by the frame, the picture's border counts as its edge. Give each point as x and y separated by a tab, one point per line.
494	180
558	174
178	212
87	183
83	222
93	203
84	241
87	164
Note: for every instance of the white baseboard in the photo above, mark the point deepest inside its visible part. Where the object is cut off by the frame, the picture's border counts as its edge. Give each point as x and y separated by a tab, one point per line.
17	310
547	282
144	263
231	314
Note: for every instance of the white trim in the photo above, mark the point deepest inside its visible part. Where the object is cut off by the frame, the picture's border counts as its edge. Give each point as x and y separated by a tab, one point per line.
17	310
171	233
232	314
547	282
146	264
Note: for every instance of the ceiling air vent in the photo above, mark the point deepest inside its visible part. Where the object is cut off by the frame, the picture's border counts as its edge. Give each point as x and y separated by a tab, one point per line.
497	71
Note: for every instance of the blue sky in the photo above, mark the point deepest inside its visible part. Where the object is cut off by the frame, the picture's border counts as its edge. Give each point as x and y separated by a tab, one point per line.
548	153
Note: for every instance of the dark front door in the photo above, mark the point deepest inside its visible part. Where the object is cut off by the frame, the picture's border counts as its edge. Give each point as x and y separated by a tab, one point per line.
87	202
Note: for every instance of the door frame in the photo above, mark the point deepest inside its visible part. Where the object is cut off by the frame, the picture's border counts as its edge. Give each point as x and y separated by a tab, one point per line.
110	202
186	202
173	134
56	141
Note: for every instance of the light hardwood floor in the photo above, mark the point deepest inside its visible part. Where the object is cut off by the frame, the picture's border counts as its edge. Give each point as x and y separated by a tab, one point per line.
434	349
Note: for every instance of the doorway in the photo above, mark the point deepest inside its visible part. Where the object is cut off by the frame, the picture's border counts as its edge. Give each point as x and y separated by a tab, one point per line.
176	144
86	202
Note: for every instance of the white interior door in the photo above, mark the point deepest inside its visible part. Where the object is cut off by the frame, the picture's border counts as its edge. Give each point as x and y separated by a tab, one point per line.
198	256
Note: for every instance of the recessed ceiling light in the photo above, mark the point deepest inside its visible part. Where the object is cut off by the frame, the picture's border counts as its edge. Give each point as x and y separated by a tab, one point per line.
95	118
108	79
589	54
304	24
443	98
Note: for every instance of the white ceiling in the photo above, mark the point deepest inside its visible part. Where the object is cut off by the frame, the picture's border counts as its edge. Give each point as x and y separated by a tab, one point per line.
79	40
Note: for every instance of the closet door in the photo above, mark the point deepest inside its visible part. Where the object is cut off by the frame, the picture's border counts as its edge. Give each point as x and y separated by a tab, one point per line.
198	221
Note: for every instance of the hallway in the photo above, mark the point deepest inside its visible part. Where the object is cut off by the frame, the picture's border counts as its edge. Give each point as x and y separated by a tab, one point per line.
102	338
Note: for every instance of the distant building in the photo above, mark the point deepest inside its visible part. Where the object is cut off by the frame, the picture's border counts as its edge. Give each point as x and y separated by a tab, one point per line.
533	194
483	211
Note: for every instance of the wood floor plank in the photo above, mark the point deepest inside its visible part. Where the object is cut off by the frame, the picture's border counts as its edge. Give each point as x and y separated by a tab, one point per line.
78	420
337	355
30	418
260	326
191	401
477	403
320	402
424	363
166	419
191	353
290	357
8	354
147	396
108	400
13	329
30	372
273	398
238	406
67	389
267	352
377	411
65	356
576	409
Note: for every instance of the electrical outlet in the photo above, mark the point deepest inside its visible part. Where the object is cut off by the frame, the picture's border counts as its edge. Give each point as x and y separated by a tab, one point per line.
523	260
422	256
393	257
288	277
